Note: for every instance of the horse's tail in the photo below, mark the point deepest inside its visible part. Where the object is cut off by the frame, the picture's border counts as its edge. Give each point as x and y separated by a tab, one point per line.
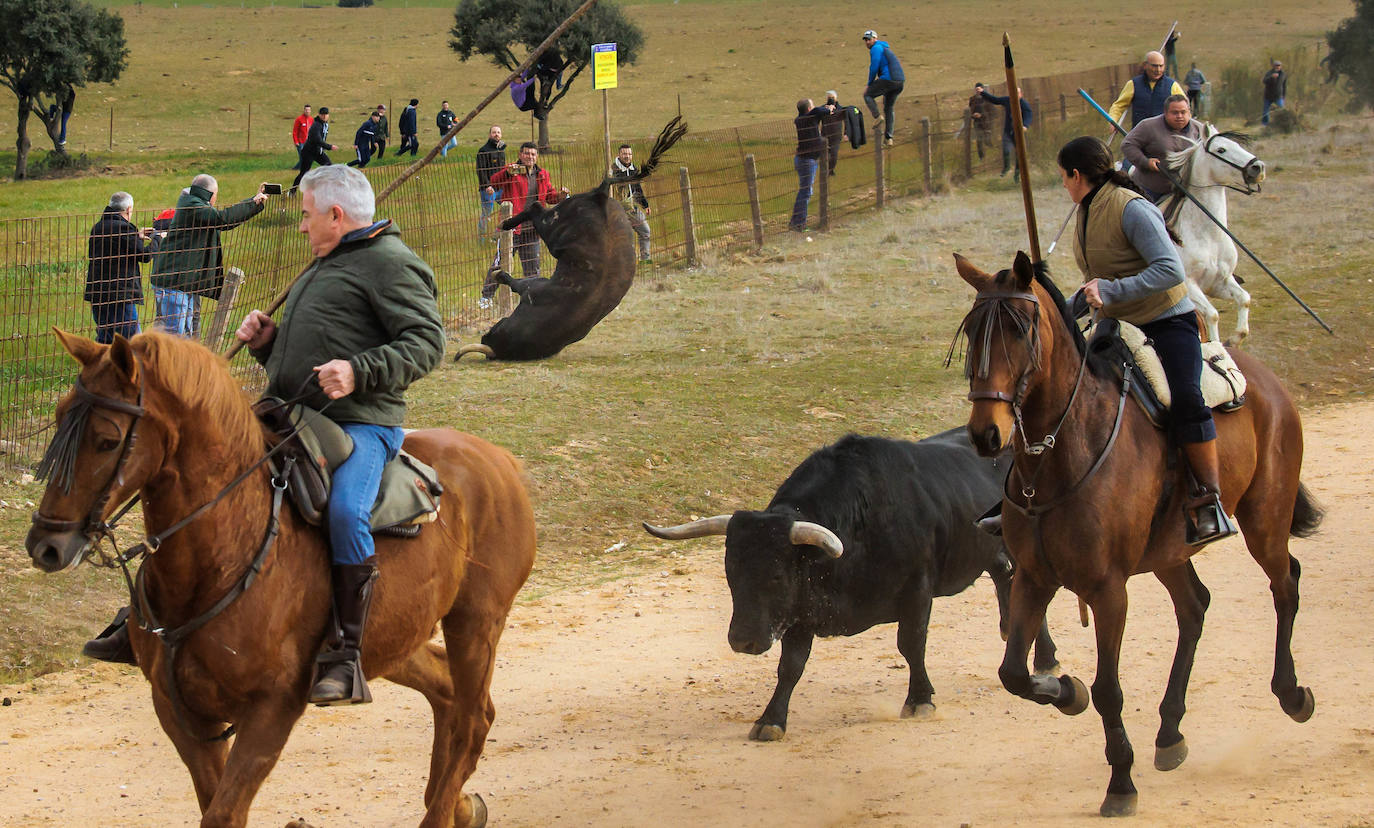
1307	514
671	133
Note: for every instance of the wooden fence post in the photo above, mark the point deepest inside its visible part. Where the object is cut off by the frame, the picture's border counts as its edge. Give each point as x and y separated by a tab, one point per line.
823	185
1063	108
968	146
926	154
504	303
751	179
689	229
111	126
248	144
233	280
878	172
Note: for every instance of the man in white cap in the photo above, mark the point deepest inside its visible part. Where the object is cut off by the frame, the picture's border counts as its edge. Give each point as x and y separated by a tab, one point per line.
885	79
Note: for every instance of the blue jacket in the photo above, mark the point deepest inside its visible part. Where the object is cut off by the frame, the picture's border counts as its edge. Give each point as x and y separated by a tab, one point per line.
366	134
883	64
1004	101
407	122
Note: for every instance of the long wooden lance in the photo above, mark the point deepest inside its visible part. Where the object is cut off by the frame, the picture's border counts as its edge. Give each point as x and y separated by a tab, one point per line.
1014	96
1208	213
448	136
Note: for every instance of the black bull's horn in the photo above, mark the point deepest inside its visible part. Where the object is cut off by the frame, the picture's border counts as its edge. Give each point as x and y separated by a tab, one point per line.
803	533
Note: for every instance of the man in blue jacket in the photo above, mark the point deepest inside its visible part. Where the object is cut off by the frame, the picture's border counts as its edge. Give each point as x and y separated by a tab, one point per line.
409	132
1009	126
885	78
365	139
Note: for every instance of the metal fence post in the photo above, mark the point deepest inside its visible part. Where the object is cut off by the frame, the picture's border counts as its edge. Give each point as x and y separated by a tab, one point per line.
689	229
878	172
507	259
926	153
751	180
233	280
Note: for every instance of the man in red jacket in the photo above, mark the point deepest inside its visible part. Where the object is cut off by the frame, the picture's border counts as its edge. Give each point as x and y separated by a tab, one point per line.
300	130
516	181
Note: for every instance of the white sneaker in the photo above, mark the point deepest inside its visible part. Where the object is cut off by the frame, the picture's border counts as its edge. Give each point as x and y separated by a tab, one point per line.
484	303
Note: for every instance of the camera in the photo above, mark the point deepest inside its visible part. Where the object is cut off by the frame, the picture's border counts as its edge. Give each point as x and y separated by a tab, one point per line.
520	169
271	189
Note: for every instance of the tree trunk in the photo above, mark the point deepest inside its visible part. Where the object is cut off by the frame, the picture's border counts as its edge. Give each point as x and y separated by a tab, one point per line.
21	146
543	132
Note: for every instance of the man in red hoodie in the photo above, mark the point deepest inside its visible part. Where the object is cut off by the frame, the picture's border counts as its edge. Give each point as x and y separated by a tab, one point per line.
300	130
516	181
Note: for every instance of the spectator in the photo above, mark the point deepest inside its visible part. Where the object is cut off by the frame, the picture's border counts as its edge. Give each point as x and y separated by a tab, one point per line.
300	130
444	121
1009	127
1171	53
490	158
190	263
632	196
114	287
833	128
1194	81
980	118
1275	83
316	142
1145	93
383	131
1149	143
810	150
885	78
364	139
409	141
518	183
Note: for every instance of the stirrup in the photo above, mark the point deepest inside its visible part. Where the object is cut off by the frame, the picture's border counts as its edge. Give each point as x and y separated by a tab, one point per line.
1207	521
329	686
112	644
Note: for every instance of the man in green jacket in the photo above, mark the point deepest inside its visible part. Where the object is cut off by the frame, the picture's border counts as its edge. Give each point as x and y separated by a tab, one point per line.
190	262
364	322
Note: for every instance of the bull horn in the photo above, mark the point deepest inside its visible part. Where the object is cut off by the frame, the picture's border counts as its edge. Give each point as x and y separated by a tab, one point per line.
484	350
805	533
696	529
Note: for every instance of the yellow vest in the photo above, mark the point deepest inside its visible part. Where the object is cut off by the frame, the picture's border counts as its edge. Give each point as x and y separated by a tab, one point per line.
1102	251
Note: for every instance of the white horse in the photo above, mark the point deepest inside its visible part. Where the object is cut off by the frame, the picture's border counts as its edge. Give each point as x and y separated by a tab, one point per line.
1207	169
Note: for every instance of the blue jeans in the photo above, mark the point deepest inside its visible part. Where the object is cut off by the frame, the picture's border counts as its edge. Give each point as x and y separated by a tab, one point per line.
806	174
354	490
453	142
1268	104
488	205
177	312
114	318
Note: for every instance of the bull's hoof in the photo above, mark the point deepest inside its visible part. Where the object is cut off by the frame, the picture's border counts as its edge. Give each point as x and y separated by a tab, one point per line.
1305	710
761	732
1118	805
1168	758
478	807
1079	700
918	711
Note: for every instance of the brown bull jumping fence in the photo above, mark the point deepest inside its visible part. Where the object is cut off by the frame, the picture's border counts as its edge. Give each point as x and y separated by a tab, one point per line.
719	190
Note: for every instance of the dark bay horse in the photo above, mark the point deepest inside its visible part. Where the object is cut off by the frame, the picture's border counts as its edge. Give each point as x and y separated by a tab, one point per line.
161	416
1102	501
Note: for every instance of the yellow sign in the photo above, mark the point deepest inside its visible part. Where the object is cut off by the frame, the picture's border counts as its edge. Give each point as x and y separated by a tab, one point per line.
604	65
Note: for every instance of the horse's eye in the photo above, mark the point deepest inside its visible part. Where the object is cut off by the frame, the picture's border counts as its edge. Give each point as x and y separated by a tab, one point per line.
1221	150
106	444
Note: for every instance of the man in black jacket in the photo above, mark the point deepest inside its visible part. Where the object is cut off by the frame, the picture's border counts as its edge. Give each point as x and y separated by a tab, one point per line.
364	140
490	158
444	121
810	150
316	142
114	286
833	127
632	196
382	132
409	129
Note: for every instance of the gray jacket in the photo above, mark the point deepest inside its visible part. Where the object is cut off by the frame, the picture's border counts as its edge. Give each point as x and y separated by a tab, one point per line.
1152	138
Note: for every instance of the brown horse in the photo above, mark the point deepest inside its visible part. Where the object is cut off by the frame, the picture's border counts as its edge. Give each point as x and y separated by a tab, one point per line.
162	417
1102	501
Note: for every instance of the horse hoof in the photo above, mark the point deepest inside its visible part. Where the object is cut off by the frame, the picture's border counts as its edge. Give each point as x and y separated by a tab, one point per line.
1050	670
1078	702
1309	705
1118	805
479	811
1168	758
918	711
766	733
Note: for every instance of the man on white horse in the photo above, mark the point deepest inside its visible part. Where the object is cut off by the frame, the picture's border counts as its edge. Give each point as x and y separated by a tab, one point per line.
1149	143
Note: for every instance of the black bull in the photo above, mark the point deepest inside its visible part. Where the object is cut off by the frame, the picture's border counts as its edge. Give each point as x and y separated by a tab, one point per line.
590	236
863	532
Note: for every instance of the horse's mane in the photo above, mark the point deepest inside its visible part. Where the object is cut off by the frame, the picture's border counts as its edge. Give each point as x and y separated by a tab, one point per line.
200	380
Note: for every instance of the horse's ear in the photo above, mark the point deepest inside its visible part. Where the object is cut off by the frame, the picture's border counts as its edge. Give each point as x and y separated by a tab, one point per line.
971	274
123	358
83	350
1024	270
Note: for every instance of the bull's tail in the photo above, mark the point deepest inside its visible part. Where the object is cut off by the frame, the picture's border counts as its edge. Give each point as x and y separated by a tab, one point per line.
671	133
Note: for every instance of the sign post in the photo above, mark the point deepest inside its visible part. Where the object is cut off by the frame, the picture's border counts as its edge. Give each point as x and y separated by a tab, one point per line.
604	74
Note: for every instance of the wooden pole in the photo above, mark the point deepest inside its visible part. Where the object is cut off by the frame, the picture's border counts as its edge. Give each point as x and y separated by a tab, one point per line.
926	151
878	173
689	230
111	126
823	192
248	146
751	179
233	280
968	145
1022	163
606	123
506	260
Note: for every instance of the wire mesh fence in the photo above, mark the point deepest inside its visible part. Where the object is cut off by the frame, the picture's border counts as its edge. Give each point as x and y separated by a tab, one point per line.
731	188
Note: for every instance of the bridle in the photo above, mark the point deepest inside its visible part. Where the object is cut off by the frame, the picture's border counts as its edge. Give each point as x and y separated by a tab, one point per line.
1186	171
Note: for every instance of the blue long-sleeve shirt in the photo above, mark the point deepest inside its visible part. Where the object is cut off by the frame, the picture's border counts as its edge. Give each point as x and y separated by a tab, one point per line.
883	64
1004	101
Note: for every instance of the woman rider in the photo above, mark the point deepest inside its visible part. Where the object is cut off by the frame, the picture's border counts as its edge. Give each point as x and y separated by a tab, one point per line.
1132	272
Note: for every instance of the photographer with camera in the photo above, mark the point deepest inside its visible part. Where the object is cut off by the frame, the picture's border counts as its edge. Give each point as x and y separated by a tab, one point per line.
518	182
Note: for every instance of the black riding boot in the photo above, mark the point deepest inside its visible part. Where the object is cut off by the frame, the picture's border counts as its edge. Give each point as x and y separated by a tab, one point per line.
338	670
112	644
1206	519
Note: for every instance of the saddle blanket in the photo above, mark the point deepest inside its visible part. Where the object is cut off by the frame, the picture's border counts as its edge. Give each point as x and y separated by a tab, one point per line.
1222	382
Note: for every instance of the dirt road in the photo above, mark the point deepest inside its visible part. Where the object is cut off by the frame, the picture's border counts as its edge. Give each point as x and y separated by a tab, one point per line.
621	704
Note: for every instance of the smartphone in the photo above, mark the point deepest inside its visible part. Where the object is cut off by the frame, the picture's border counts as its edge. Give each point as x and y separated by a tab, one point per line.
271	189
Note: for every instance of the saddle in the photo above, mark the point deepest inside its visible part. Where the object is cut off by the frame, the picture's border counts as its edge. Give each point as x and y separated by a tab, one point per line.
1129	351
410	489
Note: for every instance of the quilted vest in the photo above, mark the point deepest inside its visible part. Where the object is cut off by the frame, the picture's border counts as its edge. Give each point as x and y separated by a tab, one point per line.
1102	251
1147	102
